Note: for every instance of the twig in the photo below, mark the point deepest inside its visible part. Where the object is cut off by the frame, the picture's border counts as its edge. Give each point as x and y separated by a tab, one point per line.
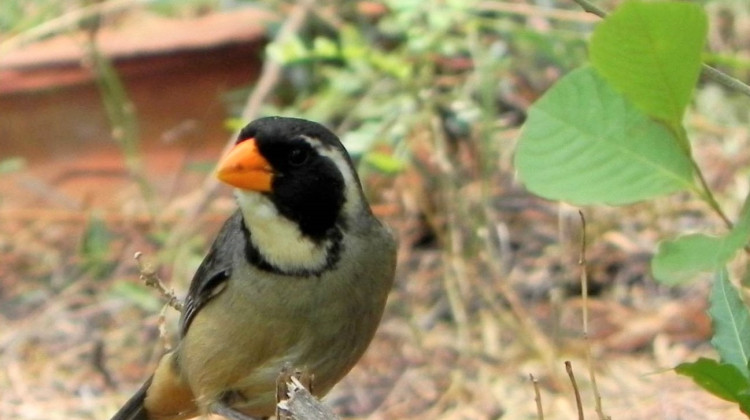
725	79
149	277
579	405
584	275
66	21
589	7
708	196
708	71
294	400
537	397
585	298
455	279
529	10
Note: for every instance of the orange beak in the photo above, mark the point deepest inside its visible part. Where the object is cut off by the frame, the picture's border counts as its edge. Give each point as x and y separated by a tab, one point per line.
244	167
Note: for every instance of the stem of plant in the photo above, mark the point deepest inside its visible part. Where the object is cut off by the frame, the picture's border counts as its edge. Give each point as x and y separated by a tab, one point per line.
576	392
537	397
585	296
707	196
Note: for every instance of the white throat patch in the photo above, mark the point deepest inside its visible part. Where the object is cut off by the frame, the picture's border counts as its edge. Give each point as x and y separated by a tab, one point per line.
277	238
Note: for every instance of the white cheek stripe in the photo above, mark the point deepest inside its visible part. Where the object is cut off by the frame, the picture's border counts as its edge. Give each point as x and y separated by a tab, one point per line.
277	238
352	192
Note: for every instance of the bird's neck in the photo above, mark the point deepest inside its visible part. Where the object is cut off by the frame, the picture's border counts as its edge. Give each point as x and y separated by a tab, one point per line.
279	240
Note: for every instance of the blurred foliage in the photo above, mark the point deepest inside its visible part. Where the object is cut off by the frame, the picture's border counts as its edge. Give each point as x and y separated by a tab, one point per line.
17	16
381	71
95	248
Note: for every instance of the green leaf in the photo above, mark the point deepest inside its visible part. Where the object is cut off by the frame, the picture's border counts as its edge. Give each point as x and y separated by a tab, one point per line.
678	261
12	164
96	240
586	144
325	48
385	162
96	247
234	124
651	52
731	322
721	379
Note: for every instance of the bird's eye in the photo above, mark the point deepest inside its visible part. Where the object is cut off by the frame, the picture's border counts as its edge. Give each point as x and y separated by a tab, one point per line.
298	157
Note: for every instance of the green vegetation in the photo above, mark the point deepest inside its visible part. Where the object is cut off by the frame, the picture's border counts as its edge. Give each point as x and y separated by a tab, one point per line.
613	134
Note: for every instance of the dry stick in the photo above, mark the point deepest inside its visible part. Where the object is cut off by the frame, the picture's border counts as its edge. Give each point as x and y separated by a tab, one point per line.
65	21
455	276
529	10
579	405
585	298
149	277
537	397
296	402
269	78
708	71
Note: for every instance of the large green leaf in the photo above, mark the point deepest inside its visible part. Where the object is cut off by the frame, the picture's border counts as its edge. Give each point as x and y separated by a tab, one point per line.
651	52
721	379
585	143
731	322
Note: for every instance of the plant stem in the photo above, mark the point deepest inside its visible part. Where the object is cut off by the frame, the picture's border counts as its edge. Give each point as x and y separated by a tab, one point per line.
708	196
726	80
589	7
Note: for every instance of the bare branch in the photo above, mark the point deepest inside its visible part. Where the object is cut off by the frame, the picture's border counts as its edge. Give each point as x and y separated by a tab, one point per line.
585	299
294	400
537	397
151	279
579	404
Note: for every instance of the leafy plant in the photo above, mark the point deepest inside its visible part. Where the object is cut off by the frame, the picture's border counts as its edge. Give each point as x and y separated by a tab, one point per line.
612	133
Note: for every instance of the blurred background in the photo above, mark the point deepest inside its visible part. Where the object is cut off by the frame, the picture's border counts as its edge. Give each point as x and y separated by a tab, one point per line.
114	113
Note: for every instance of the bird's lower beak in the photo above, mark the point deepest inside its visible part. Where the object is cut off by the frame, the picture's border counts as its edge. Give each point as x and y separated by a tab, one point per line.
244	167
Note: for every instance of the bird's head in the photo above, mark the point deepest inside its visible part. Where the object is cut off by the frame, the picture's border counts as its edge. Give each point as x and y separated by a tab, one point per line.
295	169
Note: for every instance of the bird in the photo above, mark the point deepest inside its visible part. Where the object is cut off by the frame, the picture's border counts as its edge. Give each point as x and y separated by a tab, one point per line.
298	276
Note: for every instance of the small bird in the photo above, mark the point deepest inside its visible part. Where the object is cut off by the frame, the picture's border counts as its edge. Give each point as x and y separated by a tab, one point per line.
297	277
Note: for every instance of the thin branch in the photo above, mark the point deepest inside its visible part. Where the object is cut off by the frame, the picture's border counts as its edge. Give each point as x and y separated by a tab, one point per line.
579	404
151	279
589	7
537	397
530	10
584	275
725	79
709	197
66	21
585	298
294	398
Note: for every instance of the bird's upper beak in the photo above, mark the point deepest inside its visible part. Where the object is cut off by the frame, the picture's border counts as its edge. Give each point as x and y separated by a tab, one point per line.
244	167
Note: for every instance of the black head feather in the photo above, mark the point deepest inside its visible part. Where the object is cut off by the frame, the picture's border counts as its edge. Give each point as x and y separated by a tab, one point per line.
307	186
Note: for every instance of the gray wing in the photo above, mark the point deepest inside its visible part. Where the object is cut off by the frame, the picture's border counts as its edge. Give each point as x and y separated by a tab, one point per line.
211	277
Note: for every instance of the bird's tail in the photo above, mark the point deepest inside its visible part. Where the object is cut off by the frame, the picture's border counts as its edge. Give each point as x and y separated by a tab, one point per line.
134	409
